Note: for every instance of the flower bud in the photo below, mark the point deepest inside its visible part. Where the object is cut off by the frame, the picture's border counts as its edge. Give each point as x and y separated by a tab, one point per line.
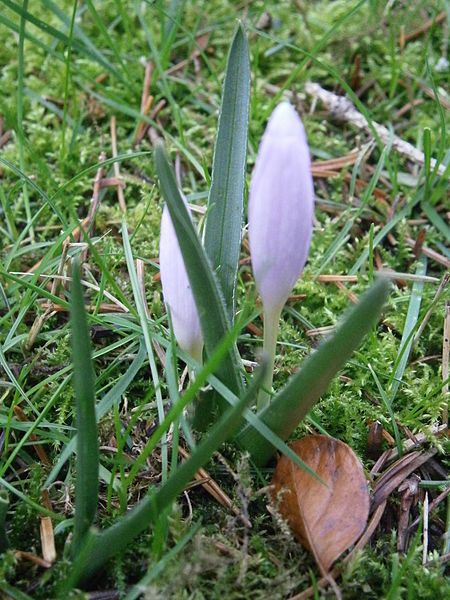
281	207
177	291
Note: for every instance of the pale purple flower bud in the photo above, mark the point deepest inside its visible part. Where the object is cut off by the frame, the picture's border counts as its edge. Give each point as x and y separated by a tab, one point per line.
177	290
281	207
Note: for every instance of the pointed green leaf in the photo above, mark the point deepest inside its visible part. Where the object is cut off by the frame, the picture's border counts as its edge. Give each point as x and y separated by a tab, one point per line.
87	463
207	293
226	197
302	391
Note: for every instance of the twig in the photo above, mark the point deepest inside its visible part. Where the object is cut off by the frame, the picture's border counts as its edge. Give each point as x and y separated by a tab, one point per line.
33	437
343	110
146	104
442	496
87	223
87	284
37	560
439	258
445	362
425	529
397	473
445	390
120	184
409	445
335	278
412	35
215	490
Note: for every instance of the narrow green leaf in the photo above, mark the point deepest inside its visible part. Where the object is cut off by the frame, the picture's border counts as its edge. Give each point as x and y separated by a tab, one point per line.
409	329
208	297
226	197
304	388
102	546
87	464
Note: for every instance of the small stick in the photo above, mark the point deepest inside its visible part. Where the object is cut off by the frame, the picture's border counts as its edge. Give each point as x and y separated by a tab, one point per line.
146	103
343	110
351	295
439	258
37	560
87	223
146	87
120	185
37	447
425	529
445	362
442	496
87	284
335	278
208	483
421	439
423	28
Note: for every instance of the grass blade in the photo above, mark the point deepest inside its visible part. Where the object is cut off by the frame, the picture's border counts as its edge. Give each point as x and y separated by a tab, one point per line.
303	390
87	465
409	328
207	293
226	197
118	536
144	321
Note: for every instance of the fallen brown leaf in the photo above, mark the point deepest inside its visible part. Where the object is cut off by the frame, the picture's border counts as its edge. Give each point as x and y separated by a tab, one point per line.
327	517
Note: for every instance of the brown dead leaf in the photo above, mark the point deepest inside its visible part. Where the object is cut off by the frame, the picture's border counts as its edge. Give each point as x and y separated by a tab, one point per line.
327	519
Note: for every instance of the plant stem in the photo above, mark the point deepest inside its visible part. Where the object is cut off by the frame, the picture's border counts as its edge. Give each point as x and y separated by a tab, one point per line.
271	320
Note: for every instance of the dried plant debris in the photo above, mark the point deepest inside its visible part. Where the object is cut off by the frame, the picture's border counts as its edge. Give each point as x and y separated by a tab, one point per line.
328	514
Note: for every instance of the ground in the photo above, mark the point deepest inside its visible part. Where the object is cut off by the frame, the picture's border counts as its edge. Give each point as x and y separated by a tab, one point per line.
61	82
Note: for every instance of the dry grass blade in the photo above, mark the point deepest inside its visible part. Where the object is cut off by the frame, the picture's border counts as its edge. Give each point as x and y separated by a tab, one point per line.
118	179
214	490
397	473
42	454
47	540
445	362
415	33
430	253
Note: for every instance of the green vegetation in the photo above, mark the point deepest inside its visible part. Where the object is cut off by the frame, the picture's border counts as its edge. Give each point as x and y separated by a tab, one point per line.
67	68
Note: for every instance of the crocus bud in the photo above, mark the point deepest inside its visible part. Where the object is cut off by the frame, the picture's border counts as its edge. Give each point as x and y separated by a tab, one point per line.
280	220
281	206
177	291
